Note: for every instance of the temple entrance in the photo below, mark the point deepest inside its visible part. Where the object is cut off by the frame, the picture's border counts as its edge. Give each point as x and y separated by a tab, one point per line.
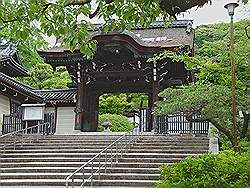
134	106
120	65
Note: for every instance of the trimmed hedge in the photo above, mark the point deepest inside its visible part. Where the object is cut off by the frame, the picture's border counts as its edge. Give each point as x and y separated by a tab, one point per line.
224	170
119	123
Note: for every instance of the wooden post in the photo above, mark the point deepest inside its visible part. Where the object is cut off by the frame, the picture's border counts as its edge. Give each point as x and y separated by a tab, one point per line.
79	98
78	109
153	97
94	112
149	114
85	106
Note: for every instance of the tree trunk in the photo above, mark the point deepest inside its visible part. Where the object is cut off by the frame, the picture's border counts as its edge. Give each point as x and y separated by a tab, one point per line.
222	129
245	125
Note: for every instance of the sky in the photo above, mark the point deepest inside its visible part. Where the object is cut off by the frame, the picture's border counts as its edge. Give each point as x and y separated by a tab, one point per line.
208	14
215	13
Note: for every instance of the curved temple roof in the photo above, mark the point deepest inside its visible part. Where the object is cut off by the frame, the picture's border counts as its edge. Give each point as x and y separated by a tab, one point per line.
177	33
49	96
58	95
9	61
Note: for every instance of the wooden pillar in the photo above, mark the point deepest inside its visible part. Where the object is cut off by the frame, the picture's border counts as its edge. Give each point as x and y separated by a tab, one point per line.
86	105
153	97
149	114
79	108
94	100
82	102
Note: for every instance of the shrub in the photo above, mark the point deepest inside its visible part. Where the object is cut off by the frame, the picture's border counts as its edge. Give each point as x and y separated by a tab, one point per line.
216	171
119	123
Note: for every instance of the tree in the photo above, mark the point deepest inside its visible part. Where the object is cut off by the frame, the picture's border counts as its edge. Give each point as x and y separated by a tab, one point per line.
41	75
211	102
69	19
113	104
122	103
119	123
210	96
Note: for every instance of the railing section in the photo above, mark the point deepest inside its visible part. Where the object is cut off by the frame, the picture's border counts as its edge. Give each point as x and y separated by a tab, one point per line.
11	123
100	163
178	124
22	136
14	122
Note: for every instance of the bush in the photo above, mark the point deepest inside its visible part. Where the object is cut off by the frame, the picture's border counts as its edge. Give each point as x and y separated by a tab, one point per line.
119	123
216	171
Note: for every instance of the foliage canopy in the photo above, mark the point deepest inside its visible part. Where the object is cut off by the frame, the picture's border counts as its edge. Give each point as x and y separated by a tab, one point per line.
119	123
226	169
210	96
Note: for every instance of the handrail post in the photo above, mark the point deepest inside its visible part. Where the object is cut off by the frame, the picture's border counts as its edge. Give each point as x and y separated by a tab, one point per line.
99	175
72	182
92	166
130	139
38	132
14	141
126	142
121	148
22	137
26	126
116	148
83	174
111	155
105	161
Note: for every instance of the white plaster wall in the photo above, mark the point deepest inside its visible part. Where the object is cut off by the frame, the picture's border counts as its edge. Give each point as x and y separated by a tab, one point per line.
65	120
4	109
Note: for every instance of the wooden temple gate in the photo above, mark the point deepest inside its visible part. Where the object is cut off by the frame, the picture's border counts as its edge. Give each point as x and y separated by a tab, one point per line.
120	65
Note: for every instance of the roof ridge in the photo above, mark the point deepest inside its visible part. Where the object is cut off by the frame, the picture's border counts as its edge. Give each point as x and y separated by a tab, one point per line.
13	80
18	85
156	24
55	90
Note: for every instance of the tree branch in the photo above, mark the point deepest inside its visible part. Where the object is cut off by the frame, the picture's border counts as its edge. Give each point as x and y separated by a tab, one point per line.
46	6
76	2
191	119
222	129
8	21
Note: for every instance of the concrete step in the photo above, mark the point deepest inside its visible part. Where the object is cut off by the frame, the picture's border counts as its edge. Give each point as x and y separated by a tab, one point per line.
57	175
169	143
79	138
69	169
77	164
89	155
50	160
57	145
119	183
158	142
70	159
60	147
44	159
148	147
94	150
183	136
61	182
130	176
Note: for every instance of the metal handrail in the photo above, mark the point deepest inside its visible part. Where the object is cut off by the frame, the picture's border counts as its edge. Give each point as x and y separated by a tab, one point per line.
20	136
122	145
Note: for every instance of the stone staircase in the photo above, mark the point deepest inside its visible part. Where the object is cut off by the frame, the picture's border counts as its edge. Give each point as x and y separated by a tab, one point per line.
47	162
